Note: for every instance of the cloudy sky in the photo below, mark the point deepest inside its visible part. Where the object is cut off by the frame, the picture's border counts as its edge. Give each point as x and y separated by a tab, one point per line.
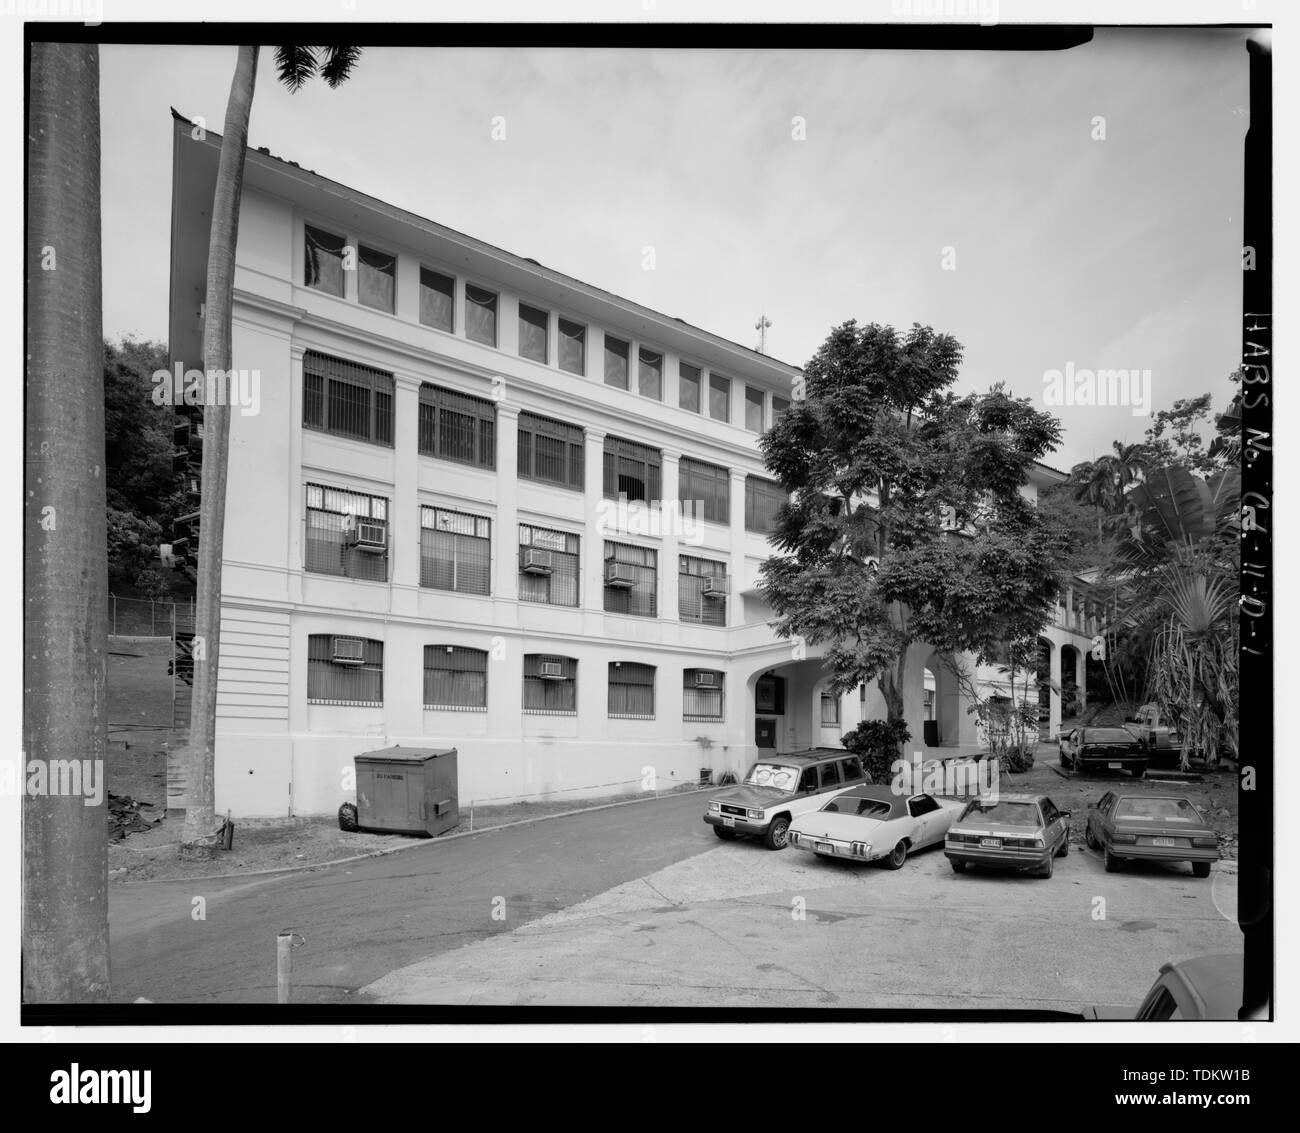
1122	253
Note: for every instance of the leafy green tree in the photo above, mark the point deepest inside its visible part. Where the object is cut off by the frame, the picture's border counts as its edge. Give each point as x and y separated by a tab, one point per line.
1175	437
906	519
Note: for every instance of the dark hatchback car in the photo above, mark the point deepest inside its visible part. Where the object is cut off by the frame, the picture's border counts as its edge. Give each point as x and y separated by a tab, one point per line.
1104	749
1152	828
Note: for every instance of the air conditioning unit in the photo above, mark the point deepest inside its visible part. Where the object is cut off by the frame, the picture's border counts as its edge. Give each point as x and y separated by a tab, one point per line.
717	586
365	535
618	576
706	680
347	651
533	561
552	671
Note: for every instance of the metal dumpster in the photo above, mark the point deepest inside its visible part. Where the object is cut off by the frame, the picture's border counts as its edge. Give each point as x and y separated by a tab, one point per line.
407	790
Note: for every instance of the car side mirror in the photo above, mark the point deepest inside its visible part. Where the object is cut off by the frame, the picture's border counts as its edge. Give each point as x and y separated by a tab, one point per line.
1065	813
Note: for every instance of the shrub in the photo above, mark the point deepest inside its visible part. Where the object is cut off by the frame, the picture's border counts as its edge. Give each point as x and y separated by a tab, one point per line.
879	743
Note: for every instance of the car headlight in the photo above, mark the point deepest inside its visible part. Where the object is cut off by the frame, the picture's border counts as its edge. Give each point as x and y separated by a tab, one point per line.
752	813
715	808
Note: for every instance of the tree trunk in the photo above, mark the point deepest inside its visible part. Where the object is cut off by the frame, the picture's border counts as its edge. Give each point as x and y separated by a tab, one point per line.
198	838
65	554
890	683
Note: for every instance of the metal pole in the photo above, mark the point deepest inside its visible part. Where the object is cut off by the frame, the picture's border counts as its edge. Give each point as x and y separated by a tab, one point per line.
283	965
115	614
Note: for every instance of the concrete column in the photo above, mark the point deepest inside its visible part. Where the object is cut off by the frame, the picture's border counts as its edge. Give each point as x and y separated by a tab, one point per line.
506	536
669	514
1071	620
297	505
736	604
1054	675
1081	677
404	518
593	552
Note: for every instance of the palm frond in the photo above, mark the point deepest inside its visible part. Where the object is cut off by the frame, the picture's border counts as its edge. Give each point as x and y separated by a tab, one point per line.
338	64
295	65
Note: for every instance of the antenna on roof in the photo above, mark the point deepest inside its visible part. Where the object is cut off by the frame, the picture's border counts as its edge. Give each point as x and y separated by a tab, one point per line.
761	326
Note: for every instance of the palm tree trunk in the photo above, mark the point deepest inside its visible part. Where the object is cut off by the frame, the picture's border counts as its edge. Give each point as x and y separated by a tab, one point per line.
65	555
198	834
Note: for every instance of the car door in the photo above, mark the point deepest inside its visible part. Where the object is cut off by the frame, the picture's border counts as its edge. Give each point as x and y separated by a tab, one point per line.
925	810
831	780
1054	829
1105	826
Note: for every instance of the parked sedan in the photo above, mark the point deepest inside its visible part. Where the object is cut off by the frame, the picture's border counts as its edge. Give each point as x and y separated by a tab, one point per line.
871	823
1153	828
1014	832
1104	749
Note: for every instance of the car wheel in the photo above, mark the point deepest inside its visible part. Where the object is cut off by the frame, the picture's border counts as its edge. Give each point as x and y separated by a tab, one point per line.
1140	772
1088	839
1046	870
1061	753
1110	860
778	833
896	857
1065	847
1200	869
723	833
1078	765
957	866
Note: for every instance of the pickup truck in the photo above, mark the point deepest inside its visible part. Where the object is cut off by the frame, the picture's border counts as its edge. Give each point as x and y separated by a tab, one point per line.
1156	733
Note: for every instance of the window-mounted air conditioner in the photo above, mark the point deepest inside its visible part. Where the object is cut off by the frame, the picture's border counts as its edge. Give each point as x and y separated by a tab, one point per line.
347	651
717	586
706	680
552	671
534	561
364	535
618	576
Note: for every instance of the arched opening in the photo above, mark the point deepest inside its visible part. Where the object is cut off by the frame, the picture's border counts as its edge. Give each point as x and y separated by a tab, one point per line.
1043	673
941	703
1070	699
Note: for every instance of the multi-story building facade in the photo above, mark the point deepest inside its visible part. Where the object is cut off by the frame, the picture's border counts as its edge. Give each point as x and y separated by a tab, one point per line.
482	505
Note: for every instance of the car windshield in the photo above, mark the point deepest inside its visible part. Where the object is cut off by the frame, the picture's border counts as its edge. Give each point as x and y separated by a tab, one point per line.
776	775
1168	810
1013	814
1108	736
852	804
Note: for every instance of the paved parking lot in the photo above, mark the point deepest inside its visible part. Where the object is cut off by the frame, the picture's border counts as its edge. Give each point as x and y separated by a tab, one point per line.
740	926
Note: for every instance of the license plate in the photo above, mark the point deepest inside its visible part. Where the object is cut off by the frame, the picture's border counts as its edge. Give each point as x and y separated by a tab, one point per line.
991	843
1114	766
823	847
1163	842
727	820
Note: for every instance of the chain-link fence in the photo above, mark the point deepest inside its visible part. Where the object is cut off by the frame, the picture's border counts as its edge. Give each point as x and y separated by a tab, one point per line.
145	617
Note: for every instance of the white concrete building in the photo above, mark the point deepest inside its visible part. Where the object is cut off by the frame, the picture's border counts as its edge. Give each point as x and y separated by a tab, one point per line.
425	543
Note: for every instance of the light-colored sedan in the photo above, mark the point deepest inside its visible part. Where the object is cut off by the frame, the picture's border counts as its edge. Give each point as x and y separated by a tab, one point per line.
872	823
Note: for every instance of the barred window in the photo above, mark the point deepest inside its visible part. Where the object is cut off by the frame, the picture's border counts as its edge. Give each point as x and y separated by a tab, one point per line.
616	357
632	470
650	371
573	347
551	575
551	451
347	534
830	710
688	386
695	601
631	690
550	685
455	677
707	488
456	426
631	580
437	300
719	397
753	409
763	499
455	551
376	279
702	694
534	326
347	399
480	315
323	269
343	669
